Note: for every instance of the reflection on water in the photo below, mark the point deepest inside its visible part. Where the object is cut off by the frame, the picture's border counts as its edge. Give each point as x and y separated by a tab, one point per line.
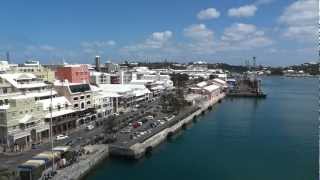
245	139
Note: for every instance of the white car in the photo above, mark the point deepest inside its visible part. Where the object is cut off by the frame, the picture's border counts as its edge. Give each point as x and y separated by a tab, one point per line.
61	137
90	127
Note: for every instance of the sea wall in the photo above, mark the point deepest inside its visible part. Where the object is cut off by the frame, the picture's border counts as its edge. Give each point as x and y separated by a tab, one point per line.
84	165
138	150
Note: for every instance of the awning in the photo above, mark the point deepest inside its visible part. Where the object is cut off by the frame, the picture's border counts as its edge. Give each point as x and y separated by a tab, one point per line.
25	119
60	113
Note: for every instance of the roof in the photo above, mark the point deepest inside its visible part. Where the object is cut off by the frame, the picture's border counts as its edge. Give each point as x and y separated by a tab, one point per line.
94	88
79	88
25	119
35	94
59	113
202	84
141	92
159	87
120	88
211	88
141	81
12	79
61	148
55	102
220	81
109	94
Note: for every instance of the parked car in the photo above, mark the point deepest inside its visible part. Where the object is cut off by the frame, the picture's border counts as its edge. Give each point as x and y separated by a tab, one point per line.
90	127
61	137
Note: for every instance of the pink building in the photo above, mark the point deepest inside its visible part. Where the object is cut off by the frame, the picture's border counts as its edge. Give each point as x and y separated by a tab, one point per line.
73	73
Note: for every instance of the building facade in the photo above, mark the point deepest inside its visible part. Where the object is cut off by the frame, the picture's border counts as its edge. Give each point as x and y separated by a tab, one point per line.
73	73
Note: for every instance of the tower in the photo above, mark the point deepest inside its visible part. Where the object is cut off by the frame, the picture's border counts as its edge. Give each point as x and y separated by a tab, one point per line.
97	61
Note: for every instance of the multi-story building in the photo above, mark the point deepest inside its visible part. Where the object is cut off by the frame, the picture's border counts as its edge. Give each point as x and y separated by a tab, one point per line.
35	68
100	78
80	95
63	115
21	117
73	73
103	102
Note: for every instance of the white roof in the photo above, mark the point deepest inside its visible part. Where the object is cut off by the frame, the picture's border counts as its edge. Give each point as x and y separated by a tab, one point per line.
12	79
159	87
94	88
25	119
35	94
55	102
211	88
120	88
109	94
59	113
61	148
140	81
220	81
96	73
141	92
202	84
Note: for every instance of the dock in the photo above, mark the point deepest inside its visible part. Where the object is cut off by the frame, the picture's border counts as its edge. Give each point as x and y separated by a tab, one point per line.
138	149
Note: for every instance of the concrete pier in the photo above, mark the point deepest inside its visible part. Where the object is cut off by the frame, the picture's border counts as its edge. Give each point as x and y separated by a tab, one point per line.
84	165
139	149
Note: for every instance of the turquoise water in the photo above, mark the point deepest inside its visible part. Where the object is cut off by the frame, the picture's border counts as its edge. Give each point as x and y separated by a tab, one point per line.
240	139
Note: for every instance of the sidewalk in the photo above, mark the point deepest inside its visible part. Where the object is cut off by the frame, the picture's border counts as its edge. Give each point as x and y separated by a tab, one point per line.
84	165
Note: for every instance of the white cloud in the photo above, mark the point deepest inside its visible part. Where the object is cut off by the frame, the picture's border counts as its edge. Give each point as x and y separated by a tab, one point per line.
243	36
300	19
243	11
97	47
160	41
46	48
202	38
210	13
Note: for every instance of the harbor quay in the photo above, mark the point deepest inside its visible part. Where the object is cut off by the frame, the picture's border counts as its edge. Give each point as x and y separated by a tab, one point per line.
134	149
140	148
95	154
62	122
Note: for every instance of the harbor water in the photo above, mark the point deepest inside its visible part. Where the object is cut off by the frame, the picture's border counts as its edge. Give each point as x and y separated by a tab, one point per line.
240	139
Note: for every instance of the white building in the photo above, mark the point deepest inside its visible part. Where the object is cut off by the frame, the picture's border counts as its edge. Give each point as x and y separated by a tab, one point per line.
21	117
100	78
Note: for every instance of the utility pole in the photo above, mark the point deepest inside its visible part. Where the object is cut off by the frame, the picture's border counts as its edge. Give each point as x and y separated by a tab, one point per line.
51	132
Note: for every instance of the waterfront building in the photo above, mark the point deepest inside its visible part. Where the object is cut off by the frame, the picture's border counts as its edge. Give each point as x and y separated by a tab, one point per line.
103	102
63	115
207	90
80	95
126	95
78	73
20	116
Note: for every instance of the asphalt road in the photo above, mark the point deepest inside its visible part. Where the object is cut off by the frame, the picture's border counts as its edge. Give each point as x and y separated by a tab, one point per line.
79	137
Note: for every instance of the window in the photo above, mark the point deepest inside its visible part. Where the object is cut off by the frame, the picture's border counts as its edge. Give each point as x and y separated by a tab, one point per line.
82	105
59	107
75	98
6	101
88	102
76	105
82	97
88	96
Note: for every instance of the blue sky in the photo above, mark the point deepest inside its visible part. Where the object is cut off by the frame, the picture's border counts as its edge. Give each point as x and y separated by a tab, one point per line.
277	32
